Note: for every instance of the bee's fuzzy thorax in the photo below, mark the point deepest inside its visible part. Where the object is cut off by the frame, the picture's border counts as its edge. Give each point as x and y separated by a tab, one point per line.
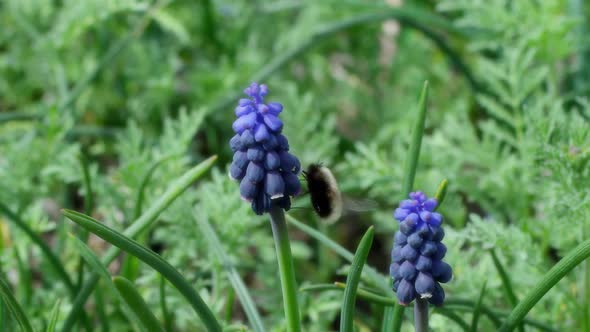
325	194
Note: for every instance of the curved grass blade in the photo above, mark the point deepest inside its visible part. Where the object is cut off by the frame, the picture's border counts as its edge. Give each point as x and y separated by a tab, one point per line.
477	309
165	313
130	269
505	282
53	317
353	279
99	269
153	260
370	272
551	278
234	277
36	239
14	308
137	304
142	223
452	316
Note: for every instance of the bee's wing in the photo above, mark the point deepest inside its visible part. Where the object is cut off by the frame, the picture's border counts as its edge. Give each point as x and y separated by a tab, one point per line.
359	205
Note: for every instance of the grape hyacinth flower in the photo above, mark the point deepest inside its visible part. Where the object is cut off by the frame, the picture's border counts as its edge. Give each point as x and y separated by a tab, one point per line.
262	163
417	268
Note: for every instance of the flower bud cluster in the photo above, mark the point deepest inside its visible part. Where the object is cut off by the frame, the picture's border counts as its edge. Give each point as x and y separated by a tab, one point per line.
267	172
417	268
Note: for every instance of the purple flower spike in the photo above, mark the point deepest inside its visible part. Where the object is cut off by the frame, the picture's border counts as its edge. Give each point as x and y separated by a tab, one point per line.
417	268
266	171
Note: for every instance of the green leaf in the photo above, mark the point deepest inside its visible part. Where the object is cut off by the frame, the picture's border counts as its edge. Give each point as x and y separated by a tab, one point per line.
147	219
234	277
505	282
477	309
13	307
152	259
53	317
551	278
409	175
137	304
441	192
352	281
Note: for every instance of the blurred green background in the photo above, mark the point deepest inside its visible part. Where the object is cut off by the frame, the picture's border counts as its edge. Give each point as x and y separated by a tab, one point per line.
123	84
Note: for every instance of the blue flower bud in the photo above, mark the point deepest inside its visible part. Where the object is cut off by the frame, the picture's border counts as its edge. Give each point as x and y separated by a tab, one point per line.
409	253
438	295
414	240
247	121
405	292
424	285
255	172
248	190
283	143
274	185
240	159
235	143
261	133
442	271
407	270
256	153
400	238
438	234
292	184
394	271
247	138
423	264
441	251
273	122
271	144
236	173
272	161
428	248
267	173
289	163
396	254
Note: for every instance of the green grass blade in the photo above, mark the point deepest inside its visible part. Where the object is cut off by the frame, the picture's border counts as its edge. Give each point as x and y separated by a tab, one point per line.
455	304
13	307
374	276
352	281
477	309
409	175
137	304
152	259
416	143
53	317
165	313
146	220
505	282
551	278
234	277
452	316
100	270
441	192
36	239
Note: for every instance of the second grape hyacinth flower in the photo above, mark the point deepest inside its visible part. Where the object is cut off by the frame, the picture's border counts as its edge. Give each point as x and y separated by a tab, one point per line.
267	172
417	268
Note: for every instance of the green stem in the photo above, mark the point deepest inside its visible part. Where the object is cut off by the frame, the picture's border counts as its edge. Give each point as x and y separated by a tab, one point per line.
562	268
421	315
286	270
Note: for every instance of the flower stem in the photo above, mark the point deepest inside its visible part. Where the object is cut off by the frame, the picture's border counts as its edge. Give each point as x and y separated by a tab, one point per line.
286	270
421	315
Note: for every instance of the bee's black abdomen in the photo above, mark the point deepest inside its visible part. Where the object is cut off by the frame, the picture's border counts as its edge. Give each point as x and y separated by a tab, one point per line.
323	189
